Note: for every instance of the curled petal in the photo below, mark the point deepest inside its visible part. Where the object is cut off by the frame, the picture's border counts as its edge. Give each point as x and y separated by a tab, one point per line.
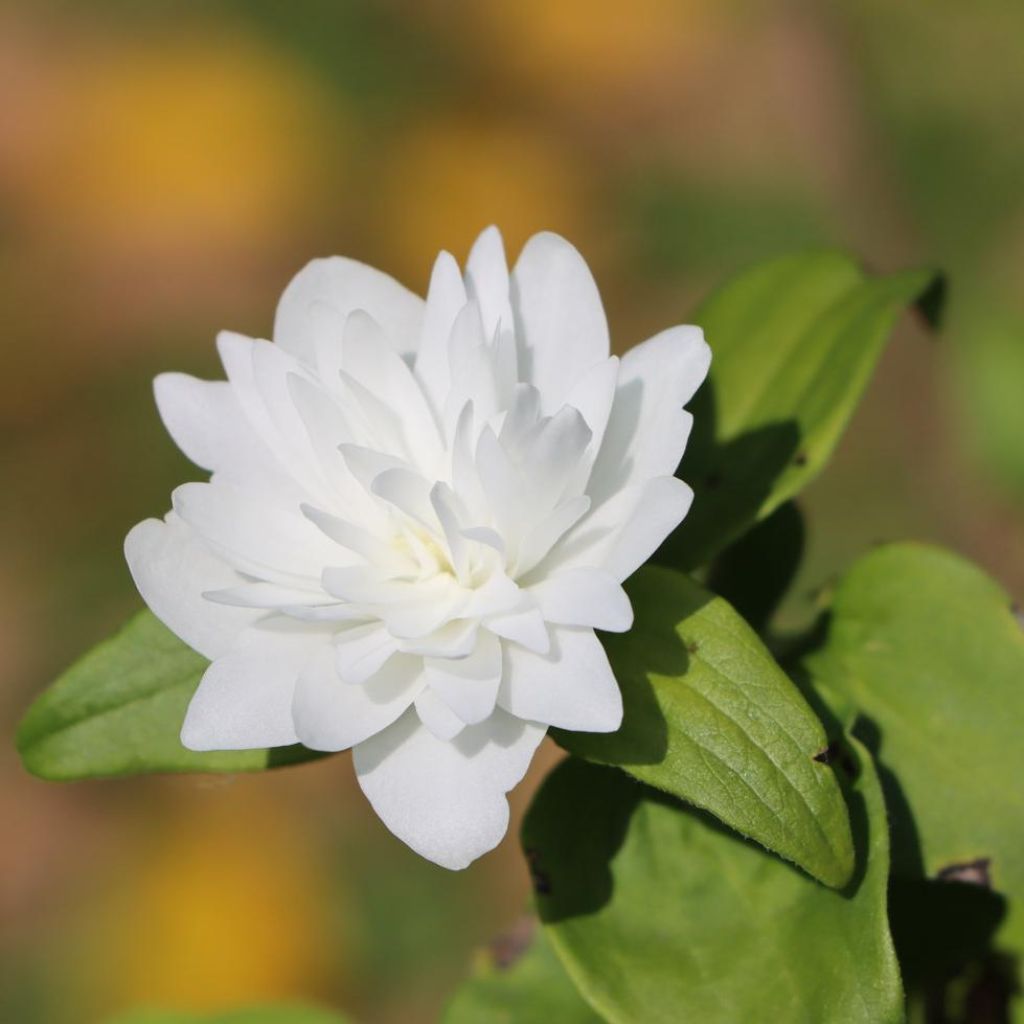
446	799
572	686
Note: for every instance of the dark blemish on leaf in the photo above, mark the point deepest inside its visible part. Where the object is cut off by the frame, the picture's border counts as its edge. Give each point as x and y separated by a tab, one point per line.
508	948
800	459
538	876
712	481
692	646
837	754
973	872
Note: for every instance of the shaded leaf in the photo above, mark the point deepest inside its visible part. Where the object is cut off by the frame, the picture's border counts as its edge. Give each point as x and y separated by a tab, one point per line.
711	718
118	711
660	915
927	648
795	341
754	573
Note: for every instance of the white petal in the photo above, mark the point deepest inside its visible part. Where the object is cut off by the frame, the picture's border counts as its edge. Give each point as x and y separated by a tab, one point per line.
661	507
383	372
624	532
487	280
244	699
256	538
333	715
560	322
437	716
526	628
359	541
553	457
361	651
584	597
545	534
446	800
593	395
445	297
409	492
267	595
448	510
455	639
207	423
172	568
469	686
571	687
503	486
648	427
342	285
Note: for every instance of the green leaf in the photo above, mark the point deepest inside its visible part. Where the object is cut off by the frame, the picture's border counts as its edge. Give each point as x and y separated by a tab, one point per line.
660	915
794	343
711	718
928	649
283	1014
119	709
516	986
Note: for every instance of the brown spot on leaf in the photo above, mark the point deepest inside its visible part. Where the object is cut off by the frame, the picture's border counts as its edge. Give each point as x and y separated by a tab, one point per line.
800	459
973	872
837	754
692	646
507	948
538	876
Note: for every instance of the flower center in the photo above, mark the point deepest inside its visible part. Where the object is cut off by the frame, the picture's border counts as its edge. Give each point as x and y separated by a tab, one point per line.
419	544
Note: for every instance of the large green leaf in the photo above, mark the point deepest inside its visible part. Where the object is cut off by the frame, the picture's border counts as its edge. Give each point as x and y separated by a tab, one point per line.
277	1014
928	649
660	915
519	987
794	343
711	718
119	709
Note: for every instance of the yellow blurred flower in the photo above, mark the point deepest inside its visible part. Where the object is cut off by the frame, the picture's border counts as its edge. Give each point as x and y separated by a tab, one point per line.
591	52
201	142
450	178
224	907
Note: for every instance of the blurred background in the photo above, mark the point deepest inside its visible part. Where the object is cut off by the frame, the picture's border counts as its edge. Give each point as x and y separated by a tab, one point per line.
166	167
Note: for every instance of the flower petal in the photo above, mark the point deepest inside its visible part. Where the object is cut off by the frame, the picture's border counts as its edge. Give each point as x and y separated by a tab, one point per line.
560	322
648	427
437	716
572	686
361	651
343	285
260	539
487	280
445	297
207	423
172	568
244	699
469	686
584	597
624	532
333	715
446	800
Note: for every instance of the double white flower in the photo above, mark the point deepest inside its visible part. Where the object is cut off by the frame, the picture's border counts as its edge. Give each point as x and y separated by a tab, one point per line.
419	512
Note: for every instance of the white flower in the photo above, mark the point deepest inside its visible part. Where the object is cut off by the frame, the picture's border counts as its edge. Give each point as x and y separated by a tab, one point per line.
419	512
